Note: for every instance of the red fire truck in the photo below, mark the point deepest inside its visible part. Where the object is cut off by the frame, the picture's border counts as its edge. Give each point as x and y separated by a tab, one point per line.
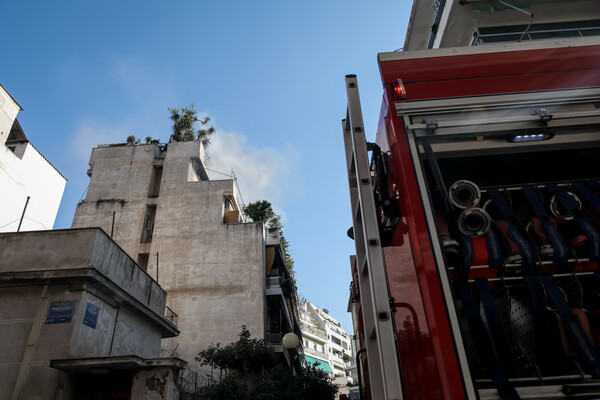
476	221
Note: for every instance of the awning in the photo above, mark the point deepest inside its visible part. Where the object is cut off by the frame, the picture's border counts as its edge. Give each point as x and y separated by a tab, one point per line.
319	364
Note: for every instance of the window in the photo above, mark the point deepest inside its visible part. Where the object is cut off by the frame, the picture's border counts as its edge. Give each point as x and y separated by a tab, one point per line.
231	213
142	260
336	340
155	181
148	225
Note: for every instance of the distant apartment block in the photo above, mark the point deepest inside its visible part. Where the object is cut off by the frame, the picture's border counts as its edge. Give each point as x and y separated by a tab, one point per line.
325	341
32	187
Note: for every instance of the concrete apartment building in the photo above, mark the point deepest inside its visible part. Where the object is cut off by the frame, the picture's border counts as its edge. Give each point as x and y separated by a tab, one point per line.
325	341
80	320
186	231
27	178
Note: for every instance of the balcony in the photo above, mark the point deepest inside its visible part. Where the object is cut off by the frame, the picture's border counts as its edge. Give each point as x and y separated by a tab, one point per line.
170	316
274	283
504	34
314	331
272	238
313	352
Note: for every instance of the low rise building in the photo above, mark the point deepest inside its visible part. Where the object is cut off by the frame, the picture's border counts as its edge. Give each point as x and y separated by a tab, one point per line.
80	319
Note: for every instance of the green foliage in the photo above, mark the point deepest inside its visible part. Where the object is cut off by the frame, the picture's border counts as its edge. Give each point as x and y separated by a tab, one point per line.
130	139
183	126
317	384
254	374
148	139
260	211
326	311
285	245
275	222
245	356
346	357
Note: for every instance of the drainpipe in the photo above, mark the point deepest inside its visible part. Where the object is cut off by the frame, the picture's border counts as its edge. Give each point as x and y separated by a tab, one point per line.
360	387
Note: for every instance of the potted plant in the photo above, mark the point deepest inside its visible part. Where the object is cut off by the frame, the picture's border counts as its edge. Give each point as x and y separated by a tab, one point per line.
130	140
148	139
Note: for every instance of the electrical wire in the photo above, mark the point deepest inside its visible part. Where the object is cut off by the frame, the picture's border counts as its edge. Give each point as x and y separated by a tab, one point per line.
12	222
31	219
218	172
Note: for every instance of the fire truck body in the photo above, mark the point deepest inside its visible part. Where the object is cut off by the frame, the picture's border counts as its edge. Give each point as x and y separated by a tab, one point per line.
443	312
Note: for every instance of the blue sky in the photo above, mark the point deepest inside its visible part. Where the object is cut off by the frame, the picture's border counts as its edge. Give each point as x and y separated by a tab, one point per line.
269	73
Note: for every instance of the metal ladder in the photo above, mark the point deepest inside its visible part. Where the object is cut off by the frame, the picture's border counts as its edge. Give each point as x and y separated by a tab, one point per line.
381	346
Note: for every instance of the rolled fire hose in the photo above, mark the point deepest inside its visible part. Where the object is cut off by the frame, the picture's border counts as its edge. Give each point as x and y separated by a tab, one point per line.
473	221
464	194
559	211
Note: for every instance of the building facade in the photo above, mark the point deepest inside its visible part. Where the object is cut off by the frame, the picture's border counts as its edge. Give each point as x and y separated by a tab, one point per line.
80	323
32	187
187	232
325	341
445	24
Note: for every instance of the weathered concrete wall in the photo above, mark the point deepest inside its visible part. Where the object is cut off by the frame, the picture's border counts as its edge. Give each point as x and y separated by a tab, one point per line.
155	384
119	331
125	334
120	179
17	309
39	268
83	248
28	175
94	342
135	335
213	272
215	288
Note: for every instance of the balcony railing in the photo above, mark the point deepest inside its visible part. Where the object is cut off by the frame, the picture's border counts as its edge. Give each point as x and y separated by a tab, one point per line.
535	32
313	352
273	281
170	316
317	332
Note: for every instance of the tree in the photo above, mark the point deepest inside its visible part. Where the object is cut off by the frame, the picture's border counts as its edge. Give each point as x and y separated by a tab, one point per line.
260	211
183	126
247	356
253	373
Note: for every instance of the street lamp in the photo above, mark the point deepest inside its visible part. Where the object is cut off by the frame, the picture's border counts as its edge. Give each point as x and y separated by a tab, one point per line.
290	341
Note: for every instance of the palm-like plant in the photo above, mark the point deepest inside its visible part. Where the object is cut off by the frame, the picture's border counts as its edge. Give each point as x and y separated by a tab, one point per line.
183	126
